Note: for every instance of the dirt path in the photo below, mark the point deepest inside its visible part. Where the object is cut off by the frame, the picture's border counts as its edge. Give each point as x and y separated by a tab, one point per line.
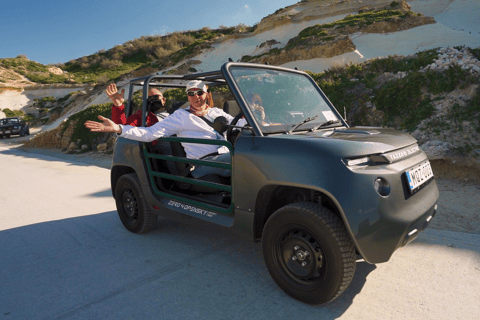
458	207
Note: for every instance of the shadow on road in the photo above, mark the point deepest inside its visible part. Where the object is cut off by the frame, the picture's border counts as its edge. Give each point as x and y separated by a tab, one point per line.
85	159
92	267
105	193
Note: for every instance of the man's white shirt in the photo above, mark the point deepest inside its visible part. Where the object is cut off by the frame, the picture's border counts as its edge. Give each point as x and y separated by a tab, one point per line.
186	125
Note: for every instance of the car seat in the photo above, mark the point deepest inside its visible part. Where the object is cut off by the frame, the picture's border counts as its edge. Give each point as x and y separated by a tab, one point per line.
183	169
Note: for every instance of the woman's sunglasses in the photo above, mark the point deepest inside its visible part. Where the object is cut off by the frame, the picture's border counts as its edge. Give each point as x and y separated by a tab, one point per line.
192	93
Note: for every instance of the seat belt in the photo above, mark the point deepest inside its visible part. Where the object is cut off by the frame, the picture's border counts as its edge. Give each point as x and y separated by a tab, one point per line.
192	167
207	121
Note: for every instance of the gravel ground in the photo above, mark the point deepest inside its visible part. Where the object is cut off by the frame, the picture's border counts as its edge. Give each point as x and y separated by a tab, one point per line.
458	205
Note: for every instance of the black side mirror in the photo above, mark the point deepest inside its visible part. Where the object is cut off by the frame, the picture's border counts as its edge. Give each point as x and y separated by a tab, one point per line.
220	124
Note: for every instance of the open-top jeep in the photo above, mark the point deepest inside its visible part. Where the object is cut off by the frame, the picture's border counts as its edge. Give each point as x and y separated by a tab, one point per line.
317	193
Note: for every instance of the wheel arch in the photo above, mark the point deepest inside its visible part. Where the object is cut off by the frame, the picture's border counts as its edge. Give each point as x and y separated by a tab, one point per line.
115	174
278	196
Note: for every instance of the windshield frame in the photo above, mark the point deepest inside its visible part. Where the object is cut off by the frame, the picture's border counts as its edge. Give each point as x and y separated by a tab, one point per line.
10	121
258	128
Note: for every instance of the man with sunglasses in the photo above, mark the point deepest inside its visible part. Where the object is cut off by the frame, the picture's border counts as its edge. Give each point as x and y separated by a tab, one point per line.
156	111
187	123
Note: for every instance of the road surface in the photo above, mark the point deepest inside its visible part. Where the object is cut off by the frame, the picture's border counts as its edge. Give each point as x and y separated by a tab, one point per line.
65	255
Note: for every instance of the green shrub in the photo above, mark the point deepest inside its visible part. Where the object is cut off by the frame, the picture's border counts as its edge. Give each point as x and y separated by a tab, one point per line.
448	80
403	99
48	99
475	52
29	118
390	64
65	98
177	94
90	113
13	113
361	19
469	112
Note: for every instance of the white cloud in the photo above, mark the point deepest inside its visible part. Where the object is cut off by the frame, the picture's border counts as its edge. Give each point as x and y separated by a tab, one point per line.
163	30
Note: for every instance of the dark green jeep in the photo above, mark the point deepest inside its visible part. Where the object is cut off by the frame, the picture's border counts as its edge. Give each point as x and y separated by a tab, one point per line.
318	194
13	126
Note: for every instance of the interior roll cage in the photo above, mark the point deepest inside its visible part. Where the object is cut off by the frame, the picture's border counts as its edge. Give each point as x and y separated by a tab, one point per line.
156	175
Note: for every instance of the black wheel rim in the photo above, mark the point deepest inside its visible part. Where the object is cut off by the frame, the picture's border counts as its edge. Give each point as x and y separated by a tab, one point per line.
300	257
130	206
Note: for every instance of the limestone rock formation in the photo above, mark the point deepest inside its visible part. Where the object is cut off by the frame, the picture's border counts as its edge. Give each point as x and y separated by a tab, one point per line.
329	40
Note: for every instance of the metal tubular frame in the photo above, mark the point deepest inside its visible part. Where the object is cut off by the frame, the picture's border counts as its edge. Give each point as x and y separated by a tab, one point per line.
152	173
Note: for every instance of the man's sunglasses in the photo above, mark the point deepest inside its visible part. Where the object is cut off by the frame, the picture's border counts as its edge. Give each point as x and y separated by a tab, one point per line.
192	93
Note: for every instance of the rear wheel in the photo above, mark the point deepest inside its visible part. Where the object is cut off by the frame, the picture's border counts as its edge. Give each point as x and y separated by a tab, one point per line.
131	205
308	252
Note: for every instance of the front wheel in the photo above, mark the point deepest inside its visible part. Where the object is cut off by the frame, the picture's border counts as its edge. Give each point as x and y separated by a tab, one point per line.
131	205
308	252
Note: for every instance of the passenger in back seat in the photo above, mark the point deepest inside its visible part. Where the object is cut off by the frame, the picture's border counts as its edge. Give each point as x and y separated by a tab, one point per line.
156	113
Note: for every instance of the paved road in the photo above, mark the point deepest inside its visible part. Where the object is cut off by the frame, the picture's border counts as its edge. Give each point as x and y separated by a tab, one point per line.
65	255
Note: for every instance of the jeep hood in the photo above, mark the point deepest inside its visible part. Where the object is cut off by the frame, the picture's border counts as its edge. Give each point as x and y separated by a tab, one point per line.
360	140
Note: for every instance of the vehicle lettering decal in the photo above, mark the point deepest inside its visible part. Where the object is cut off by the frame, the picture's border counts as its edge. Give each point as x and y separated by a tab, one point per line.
403	153
191	208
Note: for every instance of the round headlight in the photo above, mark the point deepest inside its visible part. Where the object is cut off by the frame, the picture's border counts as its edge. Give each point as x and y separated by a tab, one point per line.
382	187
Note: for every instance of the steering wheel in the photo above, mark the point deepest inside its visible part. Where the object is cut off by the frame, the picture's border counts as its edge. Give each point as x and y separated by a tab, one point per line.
230	127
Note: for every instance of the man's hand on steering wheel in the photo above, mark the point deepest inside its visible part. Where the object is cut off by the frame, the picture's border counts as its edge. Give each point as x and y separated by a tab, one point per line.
232	124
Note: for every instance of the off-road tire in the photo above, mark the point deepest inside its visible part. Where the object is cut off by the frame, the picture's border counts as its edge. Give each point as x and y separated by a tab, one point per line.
132	207
325	257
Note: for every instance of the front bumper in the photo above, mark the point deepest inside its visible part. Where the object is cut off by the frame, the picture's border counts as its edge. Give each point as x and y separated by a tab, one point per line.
10	132
380	225
418	226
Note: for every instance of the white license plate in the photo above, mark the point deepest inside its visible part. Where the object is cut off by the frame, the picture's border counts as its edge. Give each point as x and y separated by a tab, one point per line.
419	175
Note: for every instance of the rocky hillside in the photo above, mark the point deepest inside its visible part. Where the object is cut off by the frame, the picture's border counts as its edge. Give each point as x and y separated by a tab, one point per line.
432	94
312	9
333	39
20	72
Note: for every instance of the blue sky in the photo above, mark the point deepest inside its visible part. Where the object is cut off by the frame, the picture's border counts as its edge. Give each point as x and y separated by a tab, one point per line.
52	31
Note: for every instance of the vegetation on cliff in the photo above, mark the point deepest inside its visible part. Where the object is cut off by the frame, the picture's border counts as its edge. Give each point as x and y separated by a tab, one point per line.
34	71
157	51
408	94
331	39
